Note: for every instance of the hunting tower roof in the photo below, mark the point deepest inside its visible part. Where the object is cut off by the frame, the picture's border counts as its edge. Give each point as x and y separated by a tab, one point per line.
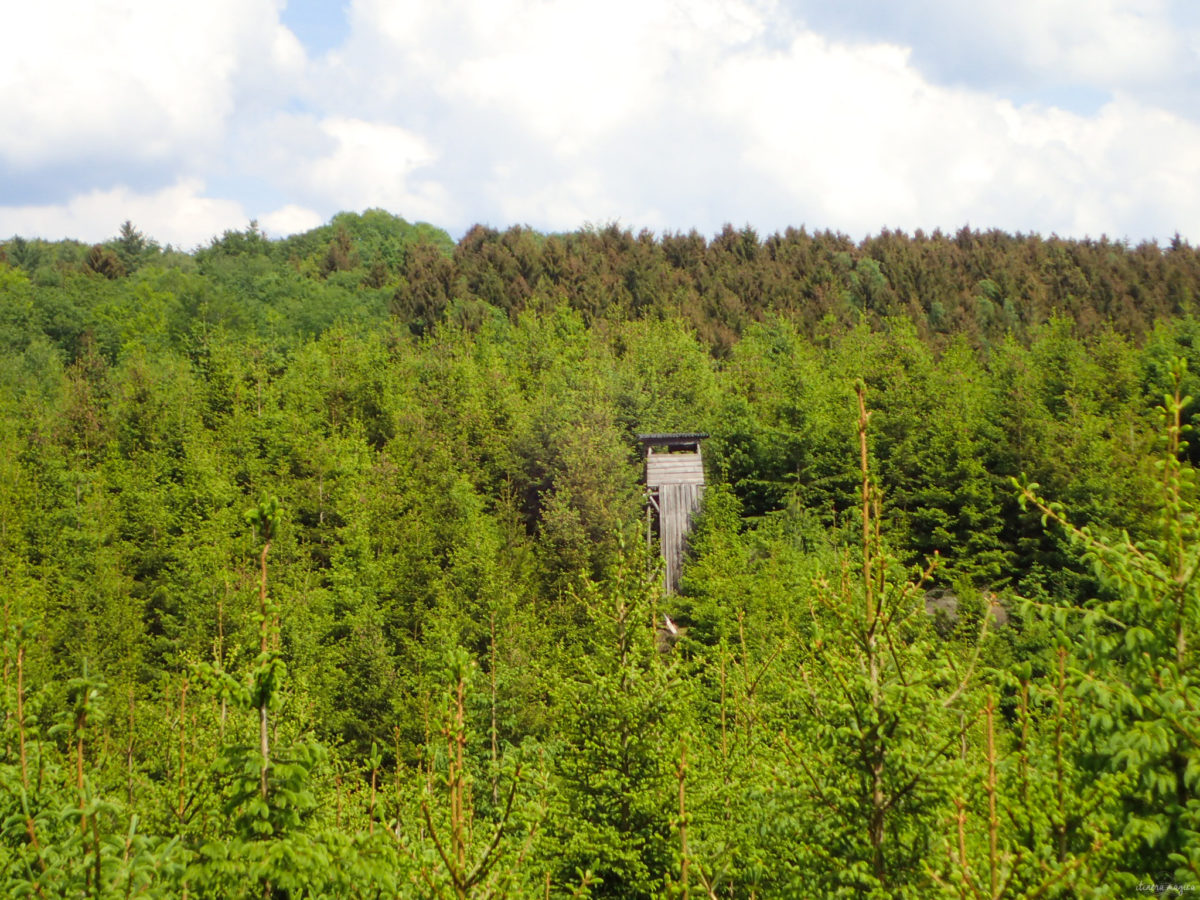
672	437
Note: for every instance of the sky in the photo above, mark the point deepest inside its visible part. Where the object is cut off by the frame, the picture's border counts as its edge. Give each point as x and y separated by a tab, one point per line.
1074	117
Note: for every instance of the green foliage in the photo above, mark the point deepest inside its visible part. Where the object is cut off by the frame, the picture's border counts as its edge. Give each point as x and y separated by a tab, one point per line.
474	854
323	566
1136	653
621	715
880	723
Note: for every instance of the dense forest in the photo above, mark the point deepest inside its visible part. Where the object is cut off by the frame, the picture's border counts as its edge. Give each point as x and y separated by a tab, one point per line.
324	566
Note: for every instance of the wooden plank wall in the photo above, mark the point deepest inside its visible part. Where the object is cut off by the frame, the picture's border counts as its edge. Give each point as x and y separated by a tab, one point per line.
677	503
674	468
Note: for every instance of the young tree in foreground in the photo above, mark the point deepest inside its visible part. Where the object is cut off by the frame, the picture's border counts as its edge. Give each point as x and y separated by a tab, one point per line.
885	707
1135	665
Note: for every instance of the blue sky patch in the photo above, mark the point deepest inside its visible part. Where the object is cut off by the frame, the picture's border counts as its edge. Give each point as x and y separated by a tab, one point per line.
321	25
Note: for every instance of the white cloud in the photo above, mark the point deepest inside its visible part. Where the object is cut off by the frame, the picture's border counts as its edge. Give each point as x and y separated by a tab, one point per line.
677	115
568	71
574	72
1075	53
134	79
1103	42
879	145
653	112
290	219
178	215
1110	44
584	197
371	164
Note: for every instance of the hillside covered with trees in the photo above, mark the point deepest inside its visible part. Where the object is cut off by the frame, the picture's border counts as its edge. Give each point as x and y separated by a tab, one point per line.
324	567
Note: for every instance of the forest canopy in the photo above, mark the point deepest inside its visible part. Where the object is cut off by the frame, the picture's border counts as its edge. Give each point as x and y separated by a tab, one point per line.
325	566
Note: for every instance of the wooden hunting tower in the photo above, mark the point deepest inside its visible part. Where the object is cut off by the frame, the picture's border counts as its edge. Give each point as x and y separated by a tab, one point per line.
674	485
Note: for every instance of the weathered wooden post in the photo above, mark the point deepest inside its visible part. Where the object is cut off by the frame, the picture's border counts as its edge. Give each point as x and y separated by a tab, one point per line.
674	486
